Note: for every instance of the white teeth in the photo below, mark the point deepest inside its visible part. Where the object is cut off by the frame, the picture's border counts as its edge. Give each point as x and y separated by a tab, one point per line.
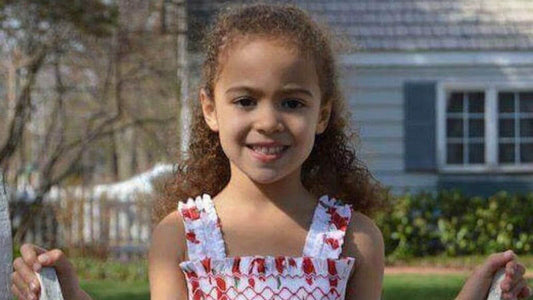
268	150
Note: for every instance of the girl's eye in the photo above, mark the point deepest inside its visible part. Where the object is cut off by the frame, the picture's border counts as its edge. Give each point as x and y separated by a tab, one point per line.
244	102
293	103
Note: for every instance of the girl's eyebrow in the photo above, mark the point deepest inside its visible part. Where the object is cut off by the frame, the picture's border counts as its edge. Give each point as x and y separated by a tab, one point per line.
287	90
290	90
242	88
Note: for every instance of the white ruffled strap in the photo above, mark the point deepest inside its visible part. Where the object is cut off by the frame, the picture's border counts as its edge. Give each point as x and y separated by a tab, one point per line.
328	228
202	228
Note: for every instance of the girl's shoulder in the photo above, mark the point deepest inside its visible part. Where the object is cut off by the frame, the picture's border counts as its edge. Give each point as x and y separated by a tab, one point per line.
363	239
169	235
167	248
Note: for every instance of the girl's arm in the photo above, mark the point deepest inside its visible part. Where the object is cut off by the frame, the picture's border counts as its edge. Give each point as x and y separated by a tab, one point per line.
364	241
166	252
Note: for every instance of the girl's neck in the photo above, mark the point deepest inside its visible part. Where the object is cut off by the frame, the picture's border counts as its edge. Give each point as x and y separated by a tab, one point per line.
287	193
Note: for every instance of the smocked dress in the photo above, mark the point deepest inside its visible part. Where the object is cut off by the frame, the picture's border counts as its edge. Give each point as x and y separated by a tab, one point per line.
320	273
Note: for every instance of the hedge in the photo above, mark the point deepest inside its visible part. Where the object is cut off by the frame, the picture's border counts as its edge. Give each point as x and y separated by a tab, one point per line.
449	223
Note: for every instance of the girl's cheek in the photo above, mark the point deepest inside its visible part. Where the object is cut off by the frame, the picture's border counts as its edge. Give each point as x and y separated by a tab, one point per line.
300	126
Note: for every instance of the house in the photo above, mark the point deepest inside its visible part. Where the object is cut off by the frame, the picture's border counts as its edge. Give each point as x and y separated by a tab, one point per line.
441	92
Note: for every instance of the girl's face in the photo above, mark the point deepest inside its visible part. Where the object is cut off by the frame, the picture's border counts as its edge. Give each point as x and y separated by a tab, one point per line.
266	109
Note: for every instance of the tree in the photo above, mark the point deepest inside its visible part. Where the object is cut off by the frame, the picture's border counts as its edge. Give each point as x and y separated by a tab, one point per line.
102	89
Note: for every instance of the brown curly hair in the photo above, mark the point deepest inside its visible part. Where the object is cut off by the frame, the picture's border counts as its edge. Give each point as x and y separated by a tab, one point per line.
332	167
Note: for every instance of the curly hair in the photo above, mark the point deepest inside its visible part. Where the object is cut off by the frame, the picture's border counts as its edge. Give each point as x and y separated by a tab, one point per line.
332	167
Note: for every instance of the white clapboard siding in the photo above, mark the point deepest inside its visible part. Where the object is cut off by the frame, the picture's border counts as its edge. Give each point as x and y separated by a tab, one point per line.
369	113
389	77
385	164
375	98
379	130
381	96
381	147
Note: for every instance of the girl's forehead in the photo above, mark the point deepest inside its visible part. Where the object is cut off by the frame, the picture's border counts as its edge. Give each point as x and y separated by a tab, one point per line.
238	40
265	58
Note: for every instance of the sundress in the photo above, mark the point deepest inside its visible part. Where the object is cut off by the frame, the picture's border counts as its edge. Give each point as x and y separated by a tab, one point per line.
320	273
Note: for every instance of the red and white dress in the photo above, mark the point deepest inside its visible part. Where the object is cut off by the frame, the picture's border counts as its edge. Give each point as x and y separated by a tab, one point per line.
318	274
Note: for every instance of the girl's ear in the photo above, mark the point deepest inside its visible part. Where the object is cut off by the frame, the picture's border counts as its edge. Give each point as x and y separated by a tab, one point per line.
323	118
209	110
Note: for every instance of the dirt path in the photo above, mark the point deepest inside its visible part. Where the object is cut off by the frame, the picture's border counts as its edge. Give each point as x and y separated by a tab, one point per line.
435	270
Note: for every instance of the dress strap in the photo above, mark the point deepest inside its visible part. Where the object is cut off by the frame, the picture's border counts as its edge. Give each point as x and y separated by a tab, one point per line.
202	228
326	235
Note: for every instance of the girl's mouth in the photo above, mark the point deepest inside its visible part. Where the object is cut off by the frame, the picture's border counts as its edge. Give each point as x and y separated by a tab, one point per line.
266	154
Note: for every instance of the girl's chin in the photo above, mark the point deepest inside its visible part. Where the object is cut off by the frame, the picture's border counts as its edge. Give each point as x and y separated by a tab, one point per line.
264	175
264	179
261	176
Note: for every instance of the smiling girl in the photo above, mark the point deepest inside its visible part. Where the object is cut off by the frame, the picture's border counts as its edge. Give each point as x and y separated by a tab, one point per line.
272	200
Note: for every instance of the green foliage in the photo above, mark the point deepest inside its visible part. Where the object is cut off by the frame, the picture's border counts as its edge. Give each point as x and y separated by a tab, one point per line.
113	270
16	251
452	224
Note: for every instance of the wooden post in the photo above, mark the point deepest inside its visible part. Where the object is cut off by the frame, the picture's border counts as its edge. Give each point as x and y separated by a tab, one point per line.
6	246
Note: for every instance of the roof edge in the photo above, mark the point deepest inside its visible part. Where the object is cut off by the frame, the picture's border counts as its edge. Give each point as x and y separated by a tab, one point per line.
435	58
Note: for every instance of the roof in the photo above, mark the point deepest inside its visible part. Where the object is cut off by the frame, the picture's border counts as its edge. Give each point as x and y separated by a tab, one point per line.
411	25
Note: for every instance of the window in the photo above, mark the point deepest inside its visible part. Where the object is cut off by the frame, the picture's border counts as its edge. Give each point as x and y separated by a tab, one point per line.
465	128
515	127
483	128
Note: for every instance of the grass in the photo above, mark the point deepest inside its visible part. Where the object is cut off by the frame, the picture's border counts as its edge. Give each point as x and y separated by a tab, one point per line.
116	290
468	262
396	286
427	287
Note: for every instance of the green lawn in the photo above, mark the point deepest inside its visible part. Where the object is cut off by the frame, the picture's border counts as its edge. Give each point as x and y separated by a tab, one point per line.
427	287
404	286
115	290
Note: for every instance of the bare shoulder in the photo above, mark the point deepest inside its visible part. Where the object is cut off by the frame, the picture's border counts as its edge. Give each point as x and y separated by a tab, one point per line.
169	236
167	250
362	234
364	242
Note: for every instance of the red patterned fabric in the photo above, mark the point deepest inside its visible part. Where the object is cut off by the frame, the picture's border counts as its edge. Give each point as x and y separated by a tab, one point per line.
320	273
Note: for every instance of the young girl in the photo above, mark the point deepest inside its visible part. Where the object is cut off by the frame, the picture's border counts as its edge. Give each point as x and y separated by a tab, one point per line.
275	202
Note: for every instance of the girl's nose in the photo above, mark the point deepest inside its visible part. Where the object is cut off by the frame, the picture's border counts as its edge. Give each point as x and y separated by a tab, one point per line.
269	120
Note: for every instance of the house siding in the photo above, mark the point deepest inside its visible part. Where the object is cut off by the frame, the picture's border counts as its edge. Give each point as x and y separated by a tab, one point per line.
375	97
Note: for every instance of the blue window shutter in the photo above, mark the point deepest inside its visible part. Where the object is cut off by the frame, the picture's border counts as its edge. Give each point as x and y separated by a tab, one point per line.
420	121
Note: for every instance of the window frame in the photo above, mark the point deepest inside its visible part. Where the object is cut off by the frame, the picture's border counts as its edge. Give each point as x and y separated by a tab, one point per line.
491	90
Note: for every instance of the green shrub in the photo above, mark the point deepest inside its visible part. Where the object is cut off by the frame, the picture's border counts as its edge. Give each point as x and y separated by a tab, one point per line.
450	223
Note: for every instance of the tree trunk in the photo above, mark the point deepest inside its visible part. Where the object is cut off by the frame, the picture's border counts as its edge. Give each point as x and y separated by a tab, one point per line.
133	153
114	158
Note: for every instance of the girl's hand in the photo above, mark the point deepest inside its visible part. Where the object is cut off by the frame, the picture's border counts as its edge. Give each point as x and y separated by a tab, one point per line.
25	284
514	286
